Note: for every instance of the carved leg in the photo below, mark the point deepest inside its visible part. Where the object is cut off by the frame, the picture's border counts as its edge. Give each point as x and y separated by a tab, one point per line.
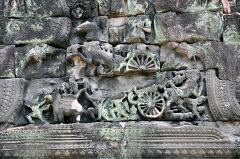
29	118
43	120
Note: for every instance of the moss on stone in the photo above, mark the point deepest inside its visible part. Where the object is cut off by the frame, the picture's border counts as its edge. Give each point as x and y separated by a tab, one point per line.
231	35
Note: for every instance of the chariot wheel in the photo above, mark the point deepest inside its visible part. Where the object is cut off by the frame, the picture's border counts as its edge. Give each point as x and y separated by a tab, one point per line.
141	62
151	104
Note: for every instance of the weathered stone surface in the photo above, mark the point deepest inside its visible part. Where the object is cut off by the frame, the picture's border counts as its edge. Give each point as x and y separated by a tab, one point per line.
39	61
34	88
116	8
196	27
173	63
95	29
53	31
222	98
130	29
231	33
35	8
2	28
121	140
7	61
11	99
186	5
208	55
83	8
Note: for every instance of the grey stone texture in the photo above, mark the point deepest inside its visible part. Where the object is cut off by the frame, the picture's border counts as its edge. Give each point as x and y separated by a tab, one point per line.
7	61
119	79
40	61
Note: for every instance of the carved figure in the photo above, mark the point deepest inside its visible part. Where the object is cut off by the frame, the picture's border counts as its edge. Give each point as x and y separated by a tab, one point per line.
91	30
187	96
66	106
38	108
100	56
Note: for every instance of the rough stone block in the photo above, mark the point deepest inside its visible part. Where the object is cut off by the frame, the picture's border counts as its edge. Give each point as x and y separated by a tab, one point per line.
39	61
131	29
188	27
231	33
95	29
53	31
83	8
186	5
116	8
35	8
7	61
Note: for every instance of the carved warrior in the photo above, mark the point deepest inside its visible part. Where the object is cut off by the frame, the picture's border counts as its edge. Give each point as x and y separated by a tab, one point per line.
37	107
177	98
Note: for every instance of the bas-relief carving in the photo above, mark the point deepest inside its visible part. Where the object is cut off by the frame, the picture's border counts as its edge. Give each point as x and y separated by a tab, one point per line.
121	68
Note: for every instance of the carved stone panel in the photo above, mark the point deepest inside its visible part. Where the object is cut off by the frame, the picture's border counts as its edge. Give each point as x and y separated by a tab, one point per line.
11	99
124	140
222	98
7	61
119	79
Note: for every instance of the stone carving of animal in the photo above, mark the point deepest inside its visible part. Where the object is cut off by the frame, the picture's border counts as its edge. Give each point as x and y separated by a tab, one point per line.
99	55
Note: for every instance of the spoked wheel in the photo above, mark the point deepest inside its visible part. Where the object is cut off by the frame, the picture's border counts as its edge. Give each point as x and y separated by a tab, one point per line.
141	62
151	104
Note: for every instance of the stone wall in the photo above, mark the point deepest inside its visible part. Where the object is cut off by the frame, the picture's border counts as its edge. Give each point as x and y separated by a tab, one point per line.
157	66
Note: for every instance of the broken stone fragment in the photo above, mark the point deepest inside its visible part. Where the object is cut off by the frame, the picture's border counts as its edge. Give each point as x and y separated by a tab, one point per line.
231	33
53	31
39	61
7	61
131	29
35	8
187	5
196	27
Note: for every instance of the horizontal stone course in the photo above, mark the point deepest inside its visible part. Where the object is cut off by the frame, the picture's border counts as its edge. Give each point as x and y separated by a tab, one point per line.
188	27
53	31
34	8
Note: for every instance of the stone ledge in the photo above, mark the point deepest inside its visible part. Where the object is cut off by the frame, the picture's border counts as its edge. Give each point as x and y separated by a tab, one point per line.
121	140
